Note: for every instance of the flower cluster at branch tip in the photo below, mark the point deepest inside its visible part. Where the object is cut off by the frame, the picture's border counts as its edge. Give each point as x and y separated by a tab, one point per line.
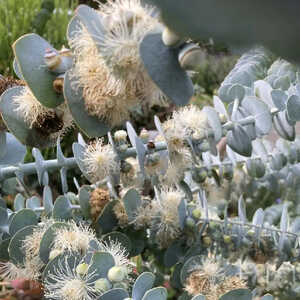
99	160
110	71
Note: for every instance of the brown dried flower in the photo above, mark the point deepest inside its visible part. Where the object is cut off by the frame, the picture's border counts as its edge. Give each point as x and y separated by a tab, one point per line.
98	199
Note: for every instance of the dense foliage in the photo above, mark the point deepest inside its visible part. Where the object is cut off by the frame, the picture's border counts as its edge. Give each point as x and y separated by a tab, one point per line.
196	208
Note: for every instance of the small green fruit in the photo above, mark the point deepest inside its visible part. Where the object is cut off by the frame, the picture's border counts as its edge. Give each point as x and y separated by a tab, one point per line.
102	285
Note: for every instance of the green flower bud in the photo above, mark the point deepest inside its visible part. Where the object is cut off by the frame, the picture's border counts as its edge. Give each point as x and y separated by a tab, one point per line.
196	213
82	269
120	285
207	241
102	285
227	239
117	274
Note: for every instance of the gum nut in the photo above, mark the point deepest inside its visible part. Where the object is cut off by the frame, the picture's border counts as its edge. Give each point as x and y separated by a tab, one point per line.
190	57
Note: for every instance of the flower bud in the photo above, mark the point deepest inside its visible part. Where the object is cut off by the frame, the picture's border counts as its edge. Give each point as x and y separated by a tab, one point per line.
82	269
144	135
58	84
54	253
102	285
117	274
207	241
120	135
196	213
227	239
170	38
120	285
190	57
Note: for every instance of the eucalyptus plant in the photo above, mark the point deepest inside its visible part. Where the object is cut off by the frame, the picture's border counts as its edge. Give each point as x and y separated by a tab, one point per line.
146	218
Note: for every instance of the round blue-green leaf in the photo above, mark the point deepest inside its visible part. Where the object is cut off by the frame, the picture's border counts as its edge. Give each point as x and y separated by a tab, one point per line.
261	113
62	209
29	52
132	201
161	62
90	125
19	202
279	98
17	69
199	297
48	239
282	126
236	92
65	260
73	27
84	201
3	217
100	264
107	221
15	249
78	151
239	294
239	141
120	238
293	108
115	294
214	122
16	151
21	219
158	293
16	123
142	284
47	199
33	202
91	20
4	255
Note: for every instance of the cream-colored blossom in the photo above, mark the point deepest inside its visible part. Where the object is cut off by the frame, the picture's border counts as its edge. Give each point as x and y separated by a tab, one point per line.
118	252
73	238
50	122
165	217
111	72
99	160
66	284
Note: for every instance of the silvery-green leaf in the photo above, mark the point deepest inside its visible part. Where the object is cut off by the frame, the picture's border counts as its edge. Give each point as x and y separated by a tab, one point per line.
279	98
73	27
214	122
161	62
158	293
199	297
238	294
239	141
240	24
90	125
142	284
3	147
78	151
19	202
62	209
141	153
47	199
293	108
17	69
267	297
132	201
91	20
100	264
258	219
15	249
282	126
16	123
236	92
219	106
263	91
261	113
84	201
29	50
22	218
284	223
16	153
114	294
282	82
242	210
48	238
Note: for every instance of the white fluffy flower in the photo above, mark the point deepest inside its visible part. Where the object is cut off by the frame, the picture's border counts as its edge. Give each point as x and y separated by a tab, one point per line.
99	160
